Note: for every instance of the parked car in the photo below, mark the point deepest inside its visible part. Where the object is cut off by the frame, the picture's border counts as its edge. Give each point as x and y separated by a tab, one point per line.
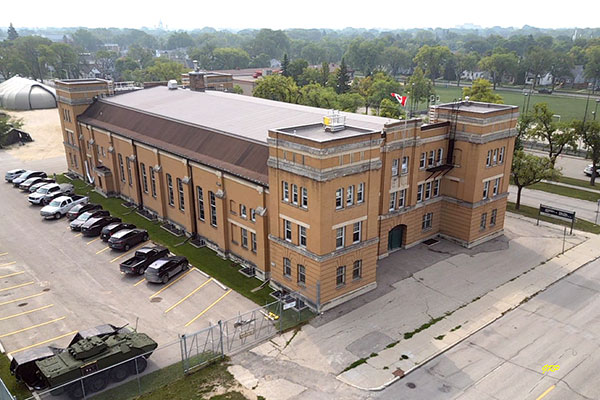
113	228
142	259
49	192
29	182
43	182
588	170
165	268
126	238
12	174
93	226
61	205
26	175
80	209
78	223
545	91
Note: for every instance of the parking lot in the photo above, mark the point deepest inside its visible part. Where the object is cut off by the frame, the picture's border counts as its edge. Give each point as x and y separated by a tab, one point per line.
54	282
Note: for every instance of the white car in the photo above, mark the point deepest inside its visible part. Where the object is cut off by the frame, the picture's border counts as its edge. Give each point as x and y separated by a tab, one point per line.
588	170
50	191
12	174
61	205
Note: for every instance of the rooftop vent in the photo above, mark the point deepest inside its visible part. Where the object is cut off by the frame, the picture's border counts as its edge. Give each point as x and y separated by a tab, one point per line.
334	122
172	84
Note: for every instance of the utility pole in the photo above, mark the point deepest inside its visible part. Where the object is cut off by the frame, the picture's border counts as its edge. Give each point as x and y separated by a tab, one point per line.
587	102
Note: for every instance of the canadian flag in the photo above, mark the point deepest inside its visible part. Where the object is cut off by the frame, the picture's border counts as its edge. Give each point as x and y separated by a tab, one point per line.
401	99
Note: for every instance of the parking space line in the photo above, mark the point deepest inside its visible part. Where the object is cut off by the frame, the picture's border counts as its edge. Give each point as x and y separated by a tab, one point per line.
92	241
551	388
166	287
16	286
44	342
3	254
26	312
22	298
32	327
191	293
79	234
103	250
7	264
129	252
209	307
140	281
68	227
13	274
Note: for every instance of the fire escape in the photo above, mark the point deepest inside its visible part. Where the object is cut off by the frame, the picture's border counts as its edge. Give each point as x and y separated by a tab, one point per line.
444	168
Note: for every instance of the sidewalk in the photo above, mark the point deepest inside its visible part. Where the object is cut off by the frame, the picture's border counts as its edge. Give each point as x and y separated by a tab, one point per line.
392	363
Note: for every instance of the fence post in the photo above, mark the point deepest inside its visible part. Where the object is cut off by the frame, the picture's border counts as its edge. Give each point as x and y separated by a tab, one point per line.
221	338
182	344
137	374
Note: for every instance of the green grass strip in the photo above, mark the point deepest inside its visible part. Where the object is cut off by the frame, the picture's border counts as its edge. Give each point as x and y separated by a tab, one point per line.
532	212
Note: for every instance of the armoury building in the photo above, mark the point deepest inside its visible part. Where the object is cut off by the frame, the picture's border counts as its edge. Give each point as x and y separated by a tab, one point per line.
307	198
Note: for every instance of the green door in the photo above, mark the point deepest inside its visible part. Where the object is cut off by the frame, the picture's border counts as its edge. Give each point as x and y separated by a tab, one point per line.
395	238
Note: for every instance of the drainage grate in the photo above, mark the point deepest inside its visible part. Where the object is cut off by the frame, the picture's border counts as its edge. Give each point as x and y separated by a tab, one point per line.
431	242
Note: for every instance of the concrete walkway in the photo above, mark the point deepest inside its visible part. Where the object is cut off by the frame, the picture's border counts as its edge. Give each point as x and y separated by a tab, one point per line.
392	363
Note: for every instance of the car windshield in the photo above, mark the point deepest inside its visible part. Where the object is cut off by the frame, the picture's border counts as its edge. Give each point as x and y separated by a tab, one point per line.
43	190
85	215
55	203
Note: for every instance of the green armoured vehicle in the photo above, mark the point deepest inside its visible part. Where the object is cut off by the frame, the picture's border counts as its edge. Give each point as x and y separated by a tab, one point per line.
88	355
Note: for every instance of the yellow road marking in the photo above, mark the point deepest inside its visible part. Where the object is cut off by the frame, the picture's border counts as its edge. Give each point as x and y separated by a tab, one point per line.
92	241
551	388
129	252
16	286
7	264
140	281
103	250
22	298
79	234
27	312
44	342
208	308
13	274
191	293
3	254
166	287
32	327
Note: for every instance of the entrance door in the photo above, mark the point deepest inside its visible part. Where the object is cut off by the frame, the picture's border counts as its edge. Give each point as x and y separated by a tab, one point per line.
395	237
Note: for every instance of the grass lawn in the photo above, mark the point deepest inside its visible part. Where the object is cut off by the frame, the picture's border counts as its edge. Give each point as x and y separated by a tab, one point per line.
566	191
532	212
15	388
584	183
205	259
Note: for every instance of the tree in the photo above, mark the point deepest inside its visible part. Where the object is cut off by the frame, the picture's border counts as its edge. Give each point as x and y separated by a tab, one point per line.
308	76
86	40
272	43
28	49
160	70
125	65
12	32
560	66
538	62
230	58
350	102
528	169
105	61
342	78
390	109
498	65
464	62
64	60
324	71
285	65
7	123
316	95
482	91
179	40
589	132
556	135
419	88
432	60
144	56
381	87
296	68
237	89
10	62
277	87
364	55
592	64
395	59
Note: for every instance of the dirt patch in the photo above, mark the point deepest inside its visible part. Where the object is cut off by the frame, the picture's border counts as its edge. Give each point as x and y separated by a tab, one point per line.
44	128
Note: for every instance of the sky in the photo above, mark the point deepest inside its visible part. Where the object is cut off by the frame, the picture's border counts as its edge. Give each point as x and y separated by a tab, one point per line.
334	14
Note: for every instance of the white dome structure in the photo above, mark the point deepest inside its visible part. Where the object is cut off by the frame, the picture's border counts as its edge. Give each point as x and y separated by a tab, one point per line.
25	94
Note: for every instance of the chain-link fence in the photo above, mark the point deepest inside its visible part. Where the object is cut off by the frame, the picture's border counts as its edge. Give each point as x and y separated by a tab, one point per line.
4	392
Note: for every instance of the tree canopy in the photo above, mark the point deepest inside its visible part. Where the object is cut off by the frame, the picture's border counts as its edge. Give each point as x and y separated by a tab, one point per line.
528	169
481	90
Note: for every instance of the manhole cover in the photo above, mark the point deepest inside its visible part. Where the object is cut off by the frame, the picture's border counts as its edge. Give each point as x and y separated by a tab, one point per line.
411	385
46	290
22	304
156	300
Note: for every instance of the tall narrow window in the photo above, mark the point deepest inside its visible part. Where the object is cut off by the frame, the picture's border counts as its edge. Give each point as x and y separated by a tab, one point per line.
431	158
483	221
493	217
422	160
129	171
350	195
153	181
302	235
402	198
339	237
287	230
405	164
420	193
244	238
496	187
501	155
486	189
286	191
144	177
357	232
360	193
170	189
294	194
213	208
395	163
252	215
339	194
243	211
287	267
301	275
436	187
253	241
304	197
392	201
181	194
427	221
200	203
427	190
488	160
440	154
121	167
357	270
340	276
495	157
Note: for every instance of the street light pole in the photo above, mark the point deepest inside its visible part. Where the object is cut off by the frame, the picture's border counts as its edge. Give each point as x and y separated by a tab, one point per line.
596	110
587	102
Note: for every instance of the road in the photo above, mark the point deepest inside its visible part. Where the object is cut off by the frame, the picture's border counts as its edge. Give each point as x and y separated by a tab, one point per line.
584	209
569	166
505	360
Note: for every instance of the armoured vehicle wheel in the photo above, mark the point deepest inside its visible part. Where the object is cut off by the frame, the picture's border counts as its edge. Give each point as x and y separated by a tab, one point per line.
165	278
76	392
96	383
141	365
119	373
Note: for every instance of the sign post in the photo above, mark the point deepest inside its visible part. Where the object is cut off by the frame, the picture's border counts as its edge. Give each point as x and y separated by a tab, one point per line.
559	213
597	210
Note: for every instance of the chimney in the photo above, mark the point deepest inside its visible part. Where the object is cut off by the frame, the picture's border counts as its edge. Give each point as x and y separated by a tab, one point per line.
197	81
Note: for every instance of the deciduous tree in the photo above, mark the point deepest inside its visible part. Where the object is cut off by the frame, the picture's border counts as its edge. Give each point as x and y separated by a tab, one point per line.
432	60
528	169
277	87
589	132
555	134
482	91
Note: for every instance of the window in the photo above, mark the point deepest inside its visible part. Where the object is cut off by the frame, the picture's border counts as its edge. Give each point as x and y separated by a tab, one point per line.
357	232
431	158
486	189
340	276
350	195
170	187
304	197
440	153
395	166
339	237
121	169
357	270
213	208
75	159
496	187
287	267
488	160
244	238
302	235
103	152
427	190
200	203
252	215
295	194
495	157
392	200
420	193
338	198
287	230
436	188
302	159
129	178
180	192
301	275
243	211
286	192
360	193
483	221
253	241
405	164
427	220
152	181
402	198
144	178
422	160
501	155
493	217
